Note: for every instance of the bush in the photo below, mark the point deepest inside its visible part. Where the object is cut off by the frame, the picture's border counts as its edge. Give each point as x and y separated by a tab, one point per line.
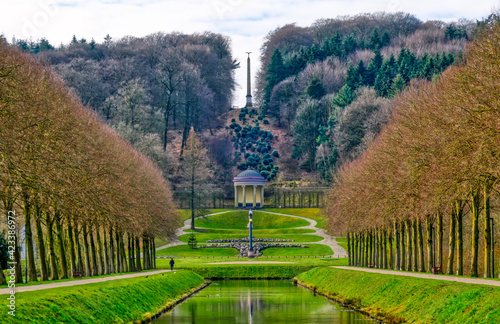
233	120
260	118
276	154
266	121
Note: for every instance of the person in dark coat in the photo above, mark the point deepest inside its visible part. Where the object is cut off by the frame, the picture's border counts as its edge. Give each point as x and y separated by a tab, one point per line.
172	262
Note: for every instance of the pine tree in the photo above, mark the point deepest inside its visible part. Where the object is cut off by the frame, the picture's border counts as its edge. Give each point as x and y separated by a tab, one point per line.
374	68
398	84
375	42
275	74
386	39
343	98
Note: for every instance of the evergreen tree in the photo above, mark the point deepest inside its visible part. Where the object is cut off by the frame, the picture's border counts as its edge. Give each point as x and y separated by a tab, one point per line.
374	68
315	89
349	45
375	42
386	39
275	74
343	98
398	84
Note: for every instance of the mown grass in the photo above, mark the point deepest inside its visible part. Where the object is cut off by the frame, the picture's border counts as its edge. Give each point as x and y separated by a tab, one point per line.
186	251
314	249
118	301
313	213
255	232
185	214
414	300
239	220
342	241
203	237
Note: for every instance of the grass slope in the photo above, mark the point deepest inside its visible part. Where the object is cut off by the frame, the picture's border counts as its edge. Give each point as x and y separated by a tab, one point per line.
313	213
396	299
314	249
117	301
186	251
239	220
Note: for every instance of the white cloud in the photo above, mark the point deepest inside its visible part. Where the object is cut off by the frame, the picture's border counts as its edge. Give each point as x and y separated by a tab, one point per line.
245	21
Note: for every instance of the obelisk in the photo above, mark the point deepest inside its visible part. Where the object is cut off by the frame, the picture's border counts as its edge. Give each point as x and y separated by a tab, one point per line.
249	87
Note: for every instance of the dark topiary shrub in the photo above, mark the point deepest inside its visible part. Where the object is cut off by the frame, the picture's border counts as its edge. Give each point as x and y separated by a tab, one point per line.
276	154
266	121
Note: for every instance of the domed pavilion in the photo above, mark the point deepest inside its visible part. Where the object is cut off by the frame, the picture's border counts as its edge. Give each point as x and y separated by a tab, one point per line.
249	189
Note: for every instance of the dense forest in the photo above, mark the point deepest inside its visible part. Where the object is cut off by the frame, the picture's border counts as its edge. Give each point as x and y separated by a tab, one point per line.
329	87
432	171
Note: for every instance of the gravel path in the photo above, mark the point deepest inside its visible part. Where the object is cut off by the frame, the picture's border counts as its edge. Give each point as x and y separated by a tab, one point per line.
79	282
487	282
338	251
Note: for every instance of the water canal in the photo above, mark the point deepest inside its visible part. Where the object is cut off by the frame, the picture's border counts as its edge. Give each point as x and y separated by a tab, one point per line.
258	301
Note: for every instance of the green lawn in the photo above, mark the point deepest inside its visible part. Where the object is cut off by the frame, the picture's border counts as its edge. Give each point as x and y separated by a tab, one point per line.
203	237
255	232
186	251
239	220
314	249
186	213
342	241
313	213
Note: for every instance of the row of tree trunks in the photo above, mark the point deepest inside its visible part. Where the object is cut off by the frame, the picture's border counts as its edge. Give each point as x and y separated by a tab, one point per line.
103	254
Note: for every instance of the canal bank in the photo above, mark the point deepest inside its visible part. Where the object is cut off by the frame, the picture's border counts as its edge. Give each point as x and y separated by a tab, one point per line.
396	299
132	300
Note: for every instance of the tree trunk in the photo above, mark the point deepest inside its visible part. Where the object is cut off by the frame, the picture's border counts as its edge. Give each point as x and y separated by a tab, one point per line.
2	276
439	252
95	270
145	253
123	254
349	248
397	266
403	249
62	252
355	249
385	248
460	239
153	252
42	256
391	250
100	253
421	264
474	210
370	247
72	255
408	226
111	251
54	274
487	233
79	267
88	270
451	242
29	239
106	252
137	254
119	267
415	245
428	224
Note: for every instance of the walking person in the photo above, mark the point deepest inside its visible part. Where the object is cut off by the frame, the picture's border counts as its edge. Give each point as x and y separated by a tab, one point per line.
172	262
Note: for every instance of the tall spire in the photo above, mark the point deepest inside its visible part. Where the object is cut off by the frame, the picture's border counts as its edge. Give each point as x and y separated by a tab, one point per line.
249	87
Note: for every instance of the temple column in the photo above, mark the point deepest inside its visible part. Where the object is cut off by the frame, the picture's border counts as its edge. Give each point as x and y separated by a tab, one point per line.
254	195
244	197
262	196
236	196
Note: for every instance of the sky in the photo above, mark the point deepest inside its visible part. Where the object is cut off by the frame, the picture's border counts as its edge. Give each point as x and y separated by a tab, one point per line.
246	22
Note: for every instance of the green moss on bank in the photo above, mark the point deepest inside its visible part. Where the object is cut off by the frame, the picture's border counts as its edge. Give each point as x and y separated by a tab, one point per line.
118	301
416	300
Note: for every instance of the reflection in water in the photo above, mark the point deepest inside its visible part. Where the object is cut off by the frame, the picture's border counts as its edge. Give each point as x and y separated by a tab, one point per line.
258	301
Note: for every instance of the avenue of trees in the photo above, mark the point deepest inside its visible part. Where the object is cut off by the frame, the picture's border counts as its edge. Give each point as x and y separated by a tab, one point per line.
87	201
424	192
318	77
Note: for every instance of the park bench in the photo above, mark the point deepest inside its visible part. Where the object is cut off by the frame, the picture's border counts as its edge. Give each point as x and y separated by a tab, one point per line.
77	275
371	265
436	270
